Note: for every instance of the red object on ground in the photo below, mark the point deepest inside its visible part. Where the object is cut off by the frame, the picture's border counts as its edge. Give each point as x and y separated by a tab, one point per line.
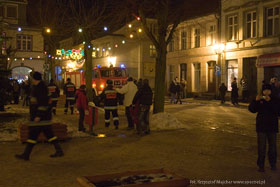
91	117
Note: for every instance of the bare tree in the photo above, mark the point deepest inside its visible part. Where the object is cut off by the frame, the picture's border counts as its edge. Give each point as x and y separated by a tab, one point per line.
168	14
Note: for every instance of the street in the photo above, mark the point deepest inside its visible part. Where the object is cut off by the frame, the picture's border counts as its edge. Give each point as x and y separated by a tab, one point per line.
212	143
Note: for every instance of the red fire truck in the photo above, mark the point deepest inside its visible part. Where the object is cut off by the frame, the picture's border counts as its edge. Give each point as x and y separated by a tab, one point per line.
99	77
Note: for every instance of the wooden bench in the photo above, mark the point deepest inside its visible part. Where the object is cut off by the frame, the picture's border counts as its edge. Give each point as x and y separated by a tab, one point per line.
59	130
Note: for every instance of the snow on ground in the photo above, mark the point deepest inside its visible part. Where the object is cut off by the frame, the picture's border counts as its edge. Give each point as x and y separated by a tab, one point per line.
165	121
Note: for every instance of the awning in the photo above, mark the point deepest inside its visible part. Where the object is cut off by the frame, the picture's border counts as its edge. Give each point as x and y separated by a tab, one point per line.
268	60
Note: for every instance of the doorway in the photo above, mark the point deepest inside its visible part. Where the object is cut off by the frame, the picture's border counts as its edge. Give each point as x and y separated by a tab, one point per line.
250	72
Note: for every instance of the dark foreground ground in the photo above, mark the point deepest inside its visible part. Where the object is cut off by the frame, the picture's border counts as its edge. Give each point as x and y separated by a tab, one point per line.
219	144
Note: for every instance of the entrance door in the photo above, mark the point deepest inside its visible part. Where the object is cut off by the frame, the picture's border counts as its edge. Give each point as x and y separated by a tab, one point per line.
211	77
250	72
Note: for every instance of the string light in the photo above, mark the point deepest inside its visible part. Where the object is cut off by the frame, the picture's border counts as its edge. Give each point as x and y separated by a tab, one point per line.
80	30
116	45
109	48
38	56
93	48
105	28
22	59
19	29
138	18
140	30
129	25
131	35
89	46
123	41
30	58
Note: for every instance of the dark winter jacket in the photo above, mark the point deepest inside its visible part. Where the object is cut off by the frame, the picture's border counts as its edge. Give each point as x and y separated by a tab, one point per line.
40	103
69	91
223	89
54	91
234	91
144	95
267	119
81	99
172	87
110	97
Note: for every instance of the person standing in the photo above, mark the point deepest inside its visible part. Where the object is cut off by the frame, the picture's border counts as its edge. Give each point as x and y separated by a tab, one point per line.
110	97
40	117
26	93
145	98
55	92
234	92
129	90
82	105
266	126
245	89
172	90
178	92
223	90
183	85
69	91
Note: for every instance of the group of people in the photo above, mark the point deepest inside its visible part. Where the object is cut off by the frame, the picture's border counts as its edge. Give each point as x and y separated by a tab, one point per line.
177	90
138	98
234	91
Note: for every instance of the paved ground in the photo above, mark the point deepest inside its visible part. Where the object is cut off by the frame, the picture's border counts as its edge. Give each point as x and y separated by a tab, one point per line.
218	143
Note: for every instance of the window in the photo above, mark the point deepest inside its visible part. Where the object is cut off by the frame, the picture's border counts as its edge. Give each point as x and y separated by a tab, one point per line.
251	24
212	34
153	51
232	28
232	72
95	74
272	21
197	38
11	11
171	45
171	73
119	73
183	40
24	42
183	73
1	11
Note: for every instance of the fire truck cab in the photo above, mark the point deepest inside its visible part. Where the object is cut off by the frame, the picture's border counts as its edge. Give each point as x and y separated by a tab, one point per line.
99	77
101	74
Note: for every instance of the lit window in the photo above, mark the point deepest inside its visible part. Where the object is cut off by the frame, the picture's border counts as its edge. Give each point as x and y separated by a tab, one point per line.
232	28
212	34
152	51
272	21
183	40
251	24
197	38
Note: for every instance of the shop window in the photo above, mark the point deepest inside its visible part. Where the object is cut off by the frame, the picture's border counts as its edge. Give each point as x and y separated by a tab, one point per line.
232	72
183	40
251	24
232	27
24	42
272	21
11	11
152	51
197	38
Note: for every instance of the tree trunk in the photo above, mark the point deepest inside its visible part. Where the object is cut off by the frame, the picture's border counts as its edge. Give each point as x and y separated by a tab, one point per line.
160	78
88	71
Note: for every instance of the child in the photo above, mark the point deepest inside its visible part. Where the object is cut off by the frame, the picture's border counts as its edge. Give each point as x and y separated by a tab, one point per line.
223	90
266	126
82	105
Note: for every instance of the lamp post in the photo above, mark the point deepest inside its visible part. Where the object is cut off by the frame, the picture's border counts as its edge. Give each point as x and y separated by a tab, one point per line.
219	50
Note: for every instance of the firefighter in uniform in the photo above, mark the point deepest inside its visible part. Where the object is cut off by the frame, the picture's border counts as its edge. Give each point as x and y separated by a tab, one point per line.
40	117
69	91
54	91
110	98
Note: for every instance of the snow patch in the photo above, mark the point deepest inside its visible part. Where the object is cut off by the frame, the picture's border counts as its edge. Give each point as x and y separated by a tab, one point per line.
165	121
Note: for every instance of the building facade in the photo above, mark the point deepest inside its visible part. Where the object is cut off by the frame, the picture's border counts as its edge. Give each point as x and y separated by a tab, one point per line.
191	55
21	44
245	42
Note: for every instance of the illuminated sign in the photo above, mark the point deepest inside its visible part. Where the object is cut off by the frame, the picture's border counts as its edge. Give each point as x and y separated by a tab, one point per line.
75	54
